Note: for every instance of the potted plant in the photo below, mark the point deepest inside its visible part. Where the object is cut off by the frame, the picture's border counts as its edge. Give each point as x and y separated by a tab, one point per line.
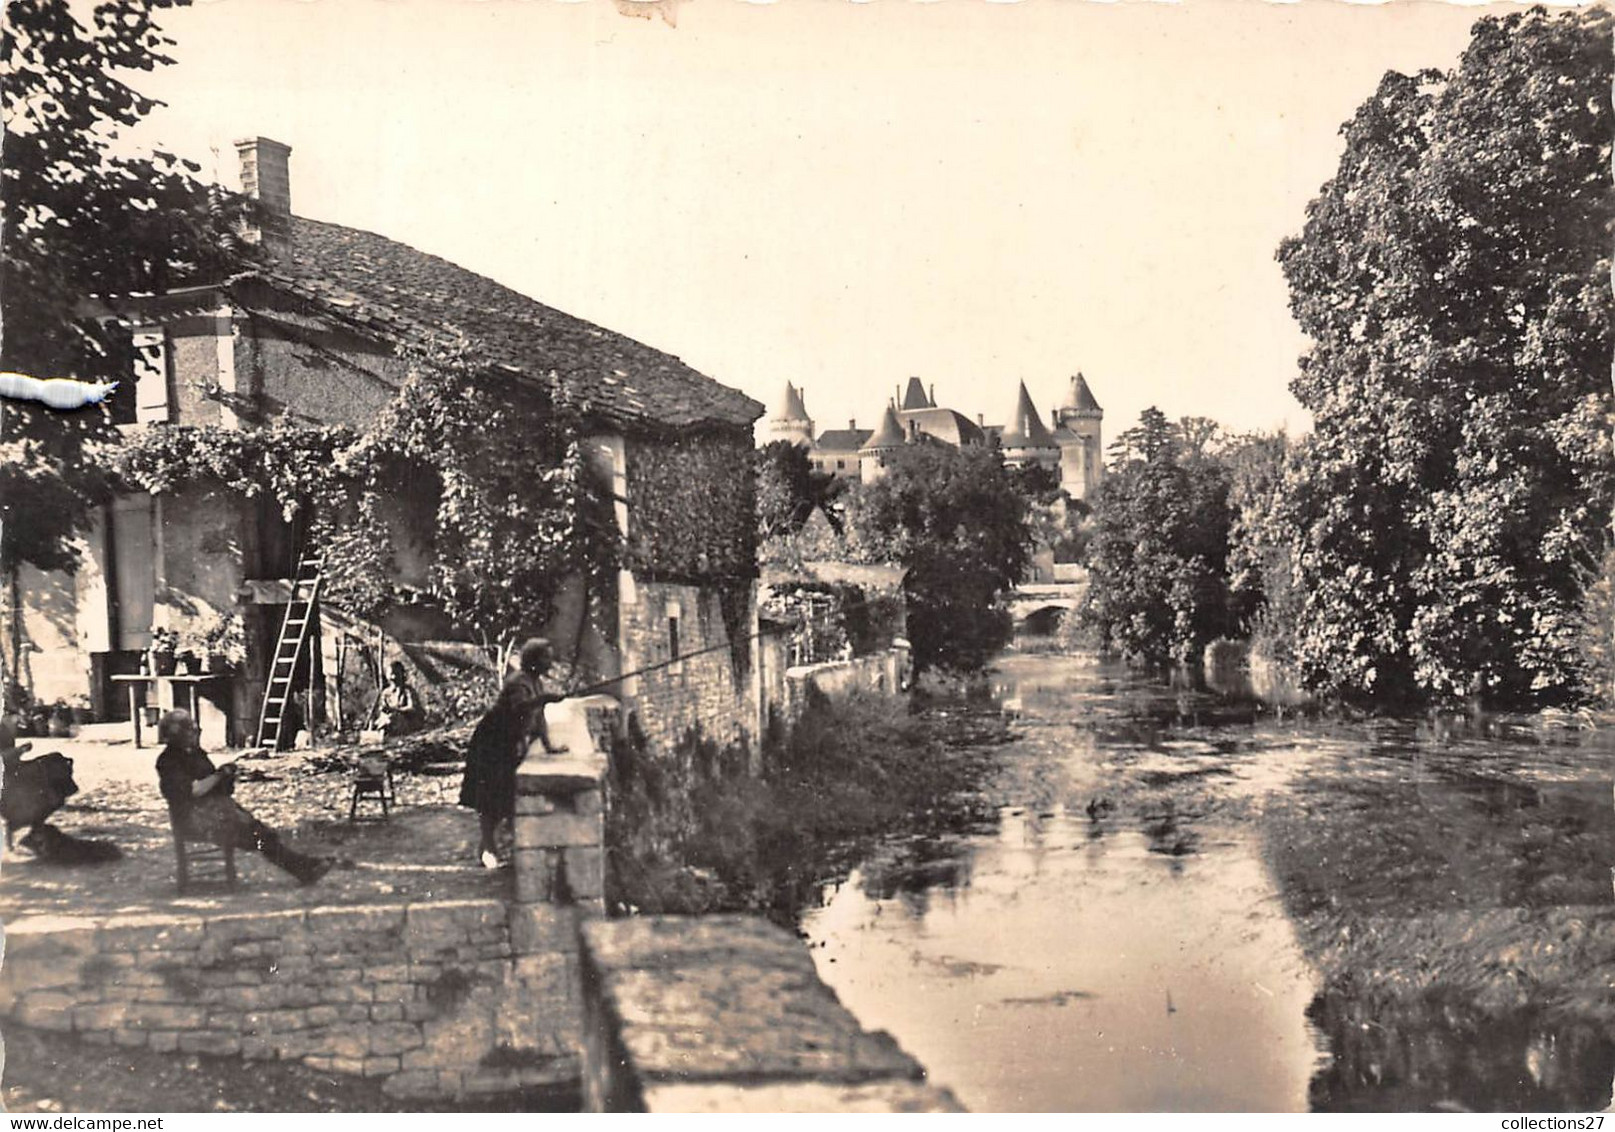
226	644
164	644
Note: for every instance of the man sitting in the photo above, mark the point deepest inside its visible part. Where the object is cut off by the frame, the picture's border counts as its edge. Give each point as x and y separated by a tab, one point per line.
200	806
398	712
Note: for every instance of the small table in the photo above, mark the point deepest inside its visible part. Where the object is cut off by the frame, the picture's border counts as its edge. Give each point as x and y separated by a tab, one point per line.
139	681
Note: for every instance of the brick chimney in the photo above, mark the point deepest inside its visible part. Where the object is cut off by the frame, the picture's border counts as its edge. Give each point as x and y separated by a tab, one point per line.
265	173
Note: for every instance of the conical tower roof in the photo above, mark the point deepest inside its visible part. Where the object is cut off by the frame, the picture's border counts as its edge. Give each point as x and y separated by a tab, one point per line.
889	434
914	396
1080	397
790	406
1024	429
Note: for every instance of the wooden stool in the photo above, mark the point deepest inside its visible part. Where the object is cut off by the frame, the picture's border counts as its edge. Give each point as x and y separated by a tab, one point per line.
187	852
372	782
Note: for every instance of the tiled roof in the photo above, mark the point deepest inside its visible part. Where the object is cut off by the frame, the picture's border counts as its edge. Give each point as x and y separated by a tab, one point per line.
889	434
1024	428
842	439
390	290
790	407
914	396
944	424
1080	397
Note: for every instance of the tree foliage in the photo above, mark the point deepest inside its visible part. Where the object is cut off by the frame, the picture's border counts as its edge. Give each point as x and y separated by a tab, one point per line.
81	220
788	489
1158	587
1454	278
957	519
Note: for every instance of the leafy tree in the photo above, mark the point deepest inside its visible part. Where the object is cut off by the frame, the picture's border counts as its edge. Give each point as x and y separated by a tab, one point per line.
1454	278
80	220
1158	591
957	520
788	489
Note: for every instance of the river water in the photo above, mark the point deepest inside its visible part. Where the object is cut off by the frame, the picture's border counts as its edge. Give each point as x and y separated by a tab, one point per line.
1182	905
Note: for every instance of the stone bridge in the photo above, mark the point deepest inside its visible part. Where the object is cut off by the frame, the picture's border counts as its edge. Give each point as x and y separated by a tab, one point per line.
1038	606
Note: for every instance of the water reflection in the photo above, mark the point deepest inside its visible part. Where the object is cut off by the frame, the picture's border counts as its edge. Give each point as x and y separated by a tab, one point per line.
1183	904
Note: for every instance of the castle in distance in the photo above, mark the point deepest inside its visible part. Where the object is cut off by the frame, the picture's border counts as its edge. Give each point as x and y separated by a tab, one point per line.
1070	443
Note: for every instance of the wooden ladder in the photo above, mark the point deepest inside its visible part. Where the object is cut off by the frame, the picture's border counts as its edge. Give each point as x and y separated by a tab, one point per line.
294	627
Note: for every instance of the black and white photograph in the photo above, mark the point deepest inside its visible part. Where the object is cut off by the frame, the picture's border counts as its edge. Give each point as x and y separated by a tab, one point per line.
807	556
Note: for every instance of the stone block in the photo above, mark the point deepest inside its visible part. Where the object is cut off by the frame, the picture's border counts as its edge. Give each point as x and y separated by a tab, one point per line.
387	1038
379	1066
255	1048
545	976
387	1012
533	805
558	776
420	1011
47	1010
559	830
537	875
386	973
156	1016
411	1083
351	1066
37	959
588	803
323	1016
103	1017
352	1042
429	926
585	871
129	1038
213	1042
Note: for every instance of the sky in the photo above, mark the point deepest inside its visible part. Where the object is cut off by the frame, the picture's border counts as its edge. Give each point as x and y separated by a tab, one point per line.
840	195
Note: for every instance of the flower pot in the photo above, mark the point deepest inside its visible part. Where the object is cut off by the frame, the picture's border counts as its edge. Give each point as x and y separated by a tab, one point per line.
190	664
162	663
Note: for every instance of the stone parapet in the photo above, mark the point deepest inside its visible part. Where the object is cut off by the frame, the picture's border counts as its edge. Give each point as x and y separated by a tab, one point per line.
442	999
727	1014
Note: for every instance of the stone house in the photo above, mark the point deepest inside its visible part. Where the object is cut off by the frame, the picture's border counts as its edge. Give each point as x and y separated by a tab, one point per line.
314	335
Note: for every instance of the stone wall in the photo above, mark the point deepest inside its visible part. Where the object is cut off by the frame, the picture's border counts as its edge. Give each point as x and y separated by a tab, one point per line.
442	999
881	672
700	688
728	1014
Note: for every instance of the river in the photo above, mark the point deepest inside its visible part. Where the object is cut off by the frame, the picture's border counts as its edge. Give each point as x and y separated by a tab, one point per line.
1181	905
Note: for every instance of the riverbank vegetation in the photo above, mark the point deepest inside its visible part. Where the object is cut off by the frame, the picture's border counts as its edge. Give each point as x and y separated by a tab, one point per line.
693	834
1441	535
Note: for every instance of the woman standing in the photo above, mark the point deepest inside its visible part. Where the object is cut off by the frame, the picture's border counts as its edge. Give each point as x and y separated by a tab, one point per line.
500	742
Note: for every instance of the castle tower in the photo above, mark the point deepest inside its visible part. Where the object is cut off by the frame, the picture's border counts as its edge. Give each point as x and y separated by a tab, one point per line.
1079	425
887	437
789	420
1025	439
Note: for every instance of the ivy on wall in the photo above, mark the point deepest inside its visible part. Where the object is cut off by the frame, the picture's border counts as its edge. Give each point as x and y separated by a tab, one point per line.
517	508
690	504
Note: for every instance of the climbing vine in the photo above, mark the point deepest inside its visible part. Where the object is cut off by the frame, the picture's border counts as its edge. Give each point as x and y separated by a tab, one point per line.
690	504
516	506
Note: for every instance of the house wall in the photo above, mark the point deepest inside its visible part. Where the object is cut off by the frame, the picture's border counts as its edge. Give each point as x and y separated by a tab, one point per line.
705	690
287	360
61	619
